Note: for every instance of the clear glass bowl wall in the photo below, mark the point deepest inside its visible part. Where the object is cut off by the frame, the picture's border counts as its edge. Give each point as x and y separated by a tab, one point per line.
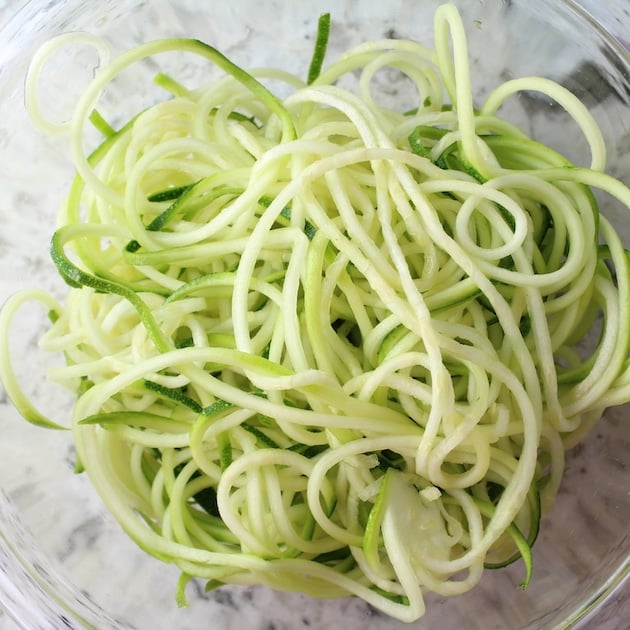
82	570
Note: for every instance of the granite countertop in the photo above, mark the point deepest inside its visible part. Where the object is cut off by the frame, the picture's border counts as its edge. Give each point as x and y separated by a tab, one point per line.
242	605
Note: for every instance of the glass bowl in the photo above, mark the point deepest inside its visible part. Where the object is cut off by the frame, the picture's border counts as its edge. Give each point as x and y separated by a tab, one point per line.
64	561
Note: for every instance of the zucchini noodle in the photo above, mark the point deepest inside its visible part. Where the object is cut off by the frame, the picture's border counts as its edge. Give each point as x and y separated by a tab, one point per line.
323	345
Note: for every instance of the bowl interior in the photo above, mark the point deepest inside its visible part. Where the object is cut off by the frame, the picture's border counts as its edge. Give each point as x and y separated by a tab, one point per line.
585	542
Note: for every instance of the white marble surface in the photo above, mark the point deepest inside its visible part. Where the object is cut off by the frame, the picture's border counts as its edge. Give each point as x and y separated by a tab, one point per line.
230	608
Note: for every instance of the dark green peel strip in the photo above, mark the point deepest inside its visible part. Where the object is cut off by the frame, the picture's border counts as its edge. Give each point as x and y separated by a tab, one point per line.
319	51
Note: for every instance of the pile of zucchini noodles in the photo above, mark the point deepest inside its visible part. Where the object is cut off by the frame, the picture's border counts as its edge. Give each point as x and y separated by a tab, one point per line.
326	346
